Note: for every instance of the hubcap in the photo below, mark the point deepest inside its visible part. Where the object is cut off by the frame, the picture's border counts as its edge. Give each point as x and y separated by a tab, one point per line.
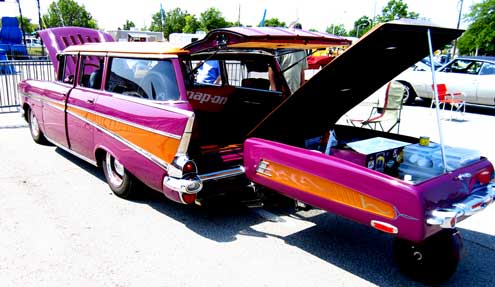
115	170
35	128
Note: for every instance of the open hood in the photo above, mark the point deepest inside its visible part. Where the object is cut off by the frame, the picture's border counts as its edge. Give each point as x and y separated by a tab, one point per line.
57	39
363	68
265	38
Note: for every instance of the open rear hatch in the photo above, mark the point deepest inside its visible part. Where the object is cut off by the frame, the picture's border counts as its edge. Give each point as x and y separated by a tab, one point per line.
285	152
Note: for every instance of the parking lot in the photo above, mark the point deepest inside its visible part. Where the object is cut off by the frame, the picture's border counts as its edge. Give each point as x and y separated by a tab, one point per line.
60	225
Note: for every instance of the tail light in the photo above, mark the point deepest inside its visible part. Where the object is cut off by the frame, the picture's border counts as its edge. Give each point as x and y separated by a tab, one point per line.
482	177
189	167
188	198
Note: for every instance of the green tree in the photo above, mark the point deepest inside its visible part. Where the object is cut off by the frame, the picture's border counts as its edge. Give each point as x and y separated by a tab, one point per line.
28	26
68	13
479	38
173	22
274	22
212	19
192	24
395	9
338	30
128	25
361	26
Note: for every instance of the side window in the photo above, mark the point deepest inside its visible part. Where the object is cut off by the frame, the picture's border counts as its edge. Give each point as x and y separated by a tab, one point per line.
91	71
474	68
488	69
67	68
253	74
143	78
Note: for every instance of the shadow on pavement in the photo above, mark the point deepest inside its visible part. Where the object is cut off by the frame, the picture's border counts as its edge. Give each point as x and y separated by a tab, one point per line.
353	247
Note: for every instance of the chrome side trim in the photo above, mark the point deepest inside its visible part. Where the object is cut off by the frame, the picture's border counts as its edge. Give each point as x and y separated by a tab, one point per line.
134	147
72	152
222	174
186	137
474	203
146	56
177	137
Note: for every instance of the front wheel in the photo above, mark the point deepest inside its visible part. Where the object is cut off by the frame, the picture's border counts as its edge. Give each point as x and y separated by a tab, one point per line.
121	182
432	261
34	128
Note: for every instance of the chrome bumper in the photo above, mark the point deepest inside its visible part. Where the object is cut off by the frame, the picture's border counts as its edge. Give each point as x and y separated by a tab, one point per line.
476	202
191	186
195	184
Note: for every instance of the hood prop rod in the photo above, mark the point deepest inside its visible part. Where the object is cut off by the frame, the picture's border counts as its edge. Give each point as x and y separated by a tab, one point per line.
435	98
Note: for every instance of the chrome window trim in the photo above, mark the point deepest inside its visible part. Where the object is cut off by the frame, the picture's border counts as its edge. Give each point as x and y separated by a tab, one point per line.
141	56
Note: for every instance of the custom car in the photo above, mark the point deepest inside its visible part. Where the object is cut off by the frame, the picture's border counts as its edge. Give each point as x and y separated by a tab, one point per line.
136	110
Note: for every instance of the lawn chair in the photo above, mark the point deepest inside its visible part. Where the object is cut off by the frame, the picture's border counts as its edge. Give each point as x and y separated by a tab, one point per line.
390	112
454	99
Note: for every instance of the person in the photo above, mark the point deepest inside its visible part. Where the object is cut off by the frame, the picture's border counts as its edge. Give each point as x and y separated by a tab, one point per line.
209	72
293	63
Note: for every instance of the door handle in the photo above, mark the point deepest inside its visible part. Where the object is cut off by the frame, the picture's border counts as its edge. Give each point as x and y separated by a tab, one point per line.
91	100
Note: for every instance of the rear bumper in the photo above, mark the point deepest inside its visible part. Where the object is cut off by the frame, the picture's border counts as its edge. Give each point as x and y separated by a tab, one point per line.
474	203
192	185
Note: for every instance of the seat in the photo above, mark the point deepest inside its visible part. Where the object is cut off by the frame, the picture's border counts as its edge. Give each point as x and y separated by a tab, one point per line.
453	99
390	112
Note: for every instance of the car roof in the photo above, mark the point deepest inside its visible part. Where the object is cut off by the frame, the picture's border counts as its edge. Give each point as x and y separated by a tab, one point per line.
477	58
265	38
149	48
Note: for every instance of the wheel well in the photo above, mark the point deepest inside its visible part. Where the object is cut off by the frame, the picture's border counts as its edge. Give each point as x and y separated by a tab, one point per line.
99	155
26	109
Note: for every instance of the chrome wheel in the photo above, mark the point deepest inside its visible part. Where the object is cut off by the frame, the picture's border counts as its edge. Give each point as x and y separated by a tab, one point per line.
121	182
115	170
34	126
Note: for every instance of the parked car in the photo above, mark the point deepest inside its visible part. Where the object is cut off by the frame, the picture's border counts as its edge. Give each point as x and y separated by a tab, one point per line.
473	76
136	110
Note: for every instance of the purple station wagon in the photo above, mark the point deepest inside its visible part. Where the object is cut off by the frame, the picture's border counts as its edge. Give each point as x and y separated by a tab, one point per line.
140	111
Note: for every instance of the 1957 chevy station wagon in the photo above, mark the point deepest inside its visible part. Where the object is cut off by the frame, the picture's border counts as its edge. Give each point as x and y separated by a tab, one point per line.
138	111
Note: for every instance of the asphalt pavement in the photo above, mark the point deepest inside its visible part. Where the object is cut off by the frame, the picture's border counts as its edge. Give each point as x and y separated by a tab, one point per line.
60	225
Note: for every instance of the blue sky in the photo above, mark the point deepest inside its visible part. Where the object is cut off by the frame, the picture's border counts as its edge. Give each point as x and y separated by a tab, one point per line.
317	14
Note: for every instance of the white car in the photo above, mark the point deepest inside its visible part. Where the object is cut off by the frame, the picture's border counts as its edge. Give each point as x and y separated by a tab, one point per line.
474	76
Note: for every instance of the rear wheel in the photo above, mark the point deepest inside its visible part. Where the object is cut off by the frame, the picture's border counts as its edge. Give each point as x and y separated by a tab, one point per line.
409	95
121	182
432	261
35	130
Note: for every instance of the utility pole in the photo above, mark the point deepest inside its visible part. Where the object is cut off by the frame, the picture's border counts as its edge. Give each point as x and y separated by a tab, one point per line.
22	23
41	28
458	25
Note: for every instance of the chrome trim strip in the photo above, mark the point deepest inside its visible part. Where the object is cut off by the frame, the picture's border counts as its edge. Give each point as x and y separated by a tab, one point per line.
186	137
134	147
50	103
474	203
177	137
72	152
222	174
138	55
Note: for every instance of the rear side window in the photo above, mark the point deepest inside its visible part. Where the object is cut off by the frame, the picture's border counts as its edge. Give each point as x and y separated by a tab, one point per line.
488	69
143	78
91	71
67	68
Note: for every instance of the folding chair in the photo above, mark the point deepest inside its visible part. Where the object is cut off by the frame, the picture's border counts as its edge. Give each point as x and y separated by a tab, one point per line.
390	112
454	99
